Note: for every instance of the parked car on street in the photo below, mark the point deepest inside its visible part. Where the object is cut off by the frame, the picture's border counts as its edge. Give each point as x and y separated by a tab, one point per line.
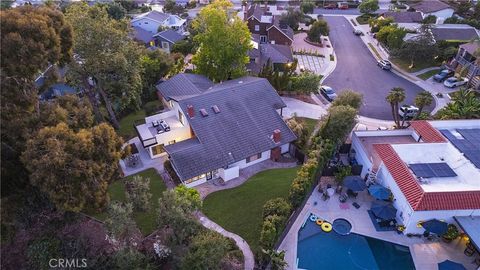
330	6
453	82
384	64
443	75
358	32
407	111
328	93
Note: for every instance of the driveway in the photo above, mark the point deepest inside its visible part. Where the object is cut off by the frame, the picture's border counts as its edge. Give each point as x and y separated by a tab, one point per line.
357	69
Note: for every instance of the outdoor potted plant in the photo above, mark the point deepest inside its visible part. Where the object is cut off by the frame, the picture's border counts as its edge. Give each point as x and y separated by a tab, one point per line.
451	234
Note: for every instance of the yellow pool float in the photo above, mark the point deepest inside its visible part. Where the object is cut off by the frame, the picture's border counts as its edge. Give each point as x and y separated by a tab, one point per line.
319	222
326	227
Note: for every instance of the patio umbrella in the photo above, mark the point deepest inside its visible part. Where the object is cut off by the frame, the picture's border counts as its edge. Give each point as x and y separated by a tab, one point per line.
354	182
435	226
383	210
449	265
379	192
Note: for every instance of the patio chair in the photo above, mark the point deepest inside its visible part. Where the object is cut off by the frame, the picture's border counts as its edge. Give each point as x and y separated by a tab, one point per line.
356	205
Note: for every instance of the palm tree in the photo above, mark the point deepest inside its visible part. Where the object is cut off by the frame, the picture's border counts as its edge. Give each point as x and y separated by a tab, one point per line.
465	105
277	259
394	97
422	100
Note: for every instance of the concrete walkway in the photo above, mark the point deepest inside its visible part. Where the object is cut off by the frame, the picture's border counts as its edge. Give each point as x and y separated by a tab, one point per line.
249	259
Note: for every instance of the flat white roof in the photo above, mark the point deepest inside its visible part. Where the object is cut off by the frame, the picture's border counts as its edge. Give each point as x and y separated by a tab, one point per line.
468	176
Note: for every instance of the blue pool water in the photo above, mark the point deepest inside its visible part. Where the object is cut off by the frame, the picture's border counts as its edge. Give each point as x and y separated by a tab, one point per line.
320	250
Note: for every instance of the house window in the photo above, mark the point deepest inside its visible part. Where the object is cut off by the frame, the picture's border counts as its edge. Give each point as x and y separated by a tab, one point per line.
263	39
181	118
171	142
257	27
254	157
158	149
196	178
165	45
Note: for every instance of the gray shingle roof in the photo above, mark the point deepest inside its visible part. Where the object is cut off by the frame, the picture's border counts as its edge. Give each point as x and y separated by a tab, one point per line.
243	127
256	11
471	47
428	6
170	35
404	17
454	33
154	15
184	85
276	53
142	35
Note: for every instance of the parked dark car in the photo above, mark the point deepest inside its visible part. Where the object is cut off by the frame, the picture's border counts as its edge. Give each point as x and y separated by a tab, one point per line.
384	64
358	32
443	75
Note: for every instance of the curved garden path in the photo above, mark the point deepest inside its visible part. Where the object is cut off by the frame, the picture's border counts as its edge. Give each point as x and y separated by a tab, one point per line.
249	259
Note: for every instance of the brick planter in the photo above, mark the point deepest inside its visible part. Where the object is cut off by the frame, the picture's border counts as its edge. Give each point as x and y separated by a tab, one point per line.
313	43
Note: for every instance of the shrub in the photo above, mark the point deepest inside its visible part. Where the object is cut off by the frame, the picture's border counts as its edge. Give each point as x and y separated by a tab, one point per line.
342	172
317	30
307	7
184	47
137	191
270	230
277	206
349	98
307	82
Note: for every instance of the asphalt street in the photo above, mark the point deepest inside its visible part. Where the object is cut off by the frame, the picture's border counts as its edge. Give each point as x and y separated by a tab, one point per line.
357	70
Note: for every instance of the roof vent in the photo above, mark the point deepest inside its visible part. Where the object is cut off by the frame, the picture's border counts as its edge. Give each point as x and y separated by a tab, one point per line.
215	109
204	112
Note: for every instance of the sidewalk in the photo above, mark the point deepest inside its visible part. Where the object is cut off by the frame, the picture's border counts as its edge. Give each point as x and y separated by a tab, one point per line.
249	262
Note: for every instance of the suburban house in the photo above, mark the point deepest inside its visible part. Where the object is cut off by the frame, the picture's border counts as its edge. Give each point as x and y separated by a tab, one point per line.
433	7
279	56
465	59
411	20
449	32
267	27
147	25
432	168
167	38
215	130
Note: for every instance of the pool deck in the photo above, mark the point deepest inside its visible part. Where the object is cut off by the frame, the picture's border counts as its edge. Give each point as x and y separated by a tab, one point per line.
426	254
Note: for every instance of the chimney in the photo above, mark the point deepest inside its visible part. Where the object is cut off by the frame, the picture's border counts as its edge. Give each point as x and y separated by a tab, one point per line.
277	135
190	111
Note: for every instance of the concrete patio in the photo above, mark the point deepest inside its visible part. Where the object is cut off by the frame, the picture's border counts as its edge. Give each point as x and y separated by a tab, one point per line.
145	161
426	254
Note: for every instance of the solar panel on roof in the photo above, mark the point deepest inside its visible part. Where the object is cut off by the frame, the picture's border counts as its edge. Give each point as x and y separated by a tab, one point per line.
469	145
428	170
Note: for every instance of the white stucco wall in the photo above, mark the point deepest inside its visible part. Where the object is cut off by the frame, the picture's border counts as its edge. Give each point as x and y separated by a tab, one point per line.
361	155
196	183
229	174
446	215
243	163
285	148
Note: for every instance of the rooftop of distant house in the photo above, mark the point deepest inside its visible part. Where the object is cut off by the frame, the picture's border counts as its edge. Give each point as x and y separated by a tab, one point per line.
429	6
404	17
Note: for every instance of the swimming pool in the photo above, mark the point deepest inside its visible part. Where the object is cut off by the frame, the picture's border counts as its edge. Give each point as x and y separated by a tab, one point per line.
320	250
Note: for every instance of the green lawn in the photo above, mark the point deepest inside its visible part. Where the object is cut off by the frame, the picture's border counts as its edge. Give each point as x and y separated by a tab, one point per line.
126	129
428	74
363	19
374	50
405	65
239	210
146	221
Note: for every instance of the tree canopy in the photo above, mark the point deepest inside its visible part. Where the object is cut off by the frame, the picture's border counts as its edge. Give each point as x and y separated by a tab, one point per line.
224	41
206	251
368	6
317	30
349	98
82	169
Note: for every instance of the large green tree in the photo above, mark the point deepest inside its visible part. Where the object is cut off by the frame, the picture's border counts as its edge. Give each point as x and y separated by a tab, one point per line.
465	105
206	251
73	168
368	6
395	97
107	56
392	36
31	40
422	100
317	30
349	98
224	41
120	224
338	123
155	65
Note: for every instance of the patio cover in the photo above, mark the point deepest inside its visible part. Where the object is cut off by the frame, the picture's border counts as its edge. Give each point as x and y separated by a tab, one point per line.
471	226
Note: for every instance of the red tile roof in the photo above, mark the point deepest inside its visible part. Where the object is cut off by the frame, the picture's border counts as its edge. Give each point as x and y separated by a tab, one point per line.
428	133
418	199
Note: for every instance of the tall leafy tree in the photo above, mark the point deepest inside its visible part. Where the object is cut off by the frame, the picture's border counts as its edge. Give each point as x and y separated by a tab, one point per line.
206	251
277	259
224	41
31	39
155	65
349	98
108	57
394	97
317	30
119	222
422	100
368	6
137	191
338	123
73	168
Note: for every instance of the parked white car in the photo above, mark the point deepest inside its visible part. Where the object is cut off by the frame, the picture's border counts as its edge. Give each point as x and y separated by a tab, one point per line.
454	82
407	111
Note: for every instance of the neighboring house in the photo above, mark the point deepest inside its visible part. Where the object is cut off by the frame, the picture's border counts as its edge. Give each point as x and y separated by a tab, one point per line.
279	56
143	36
411	20
431	168
433	7
166	39
267	26
465	59
215	130
152	20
